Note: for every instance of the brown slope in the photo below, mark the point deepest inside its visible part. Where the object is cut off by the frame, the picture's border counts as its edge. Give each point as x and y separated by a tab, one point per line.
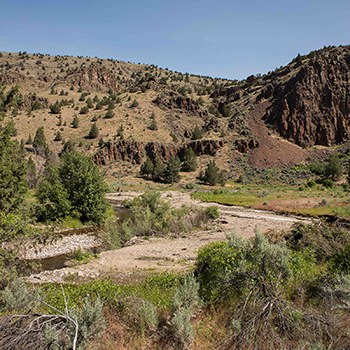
273	151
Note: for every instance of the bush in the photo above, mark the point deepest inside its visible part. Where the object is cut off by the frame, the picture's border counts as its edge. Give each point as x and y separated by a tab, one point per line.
213	264
153	126
189	160
229	269
16	297
333	168
212	212
187	294
109	114
324	239
58	136
340	261
153	216
197	133
213	175
75	122
185	301
93	133
138	314
90	319
84	110
147	168
328	183
182	329
134	104
55	108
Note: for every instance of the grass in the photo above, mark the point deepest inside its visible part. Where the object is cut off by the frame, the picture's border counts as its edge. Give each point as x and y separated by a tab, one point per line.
82	257
70	222
316	201
158	290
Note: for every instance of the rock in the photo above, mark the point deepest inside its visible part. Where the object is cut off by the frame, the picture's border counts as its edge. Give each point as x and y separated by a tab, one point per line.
32	100
313	106
244	145
135	152
95	77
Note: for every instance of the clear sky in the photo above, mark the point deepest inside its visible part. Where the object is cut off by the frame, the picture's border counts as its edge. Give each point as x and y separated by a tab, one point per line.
226	38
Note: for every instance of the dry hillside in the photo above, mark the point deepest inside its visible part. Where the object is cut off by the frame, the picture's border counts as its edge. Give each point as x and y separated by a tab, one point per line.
144	110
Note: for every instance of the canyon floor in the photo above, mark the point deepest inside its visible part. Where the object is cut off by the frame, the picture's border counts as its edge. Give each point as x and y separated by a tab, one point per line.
161	254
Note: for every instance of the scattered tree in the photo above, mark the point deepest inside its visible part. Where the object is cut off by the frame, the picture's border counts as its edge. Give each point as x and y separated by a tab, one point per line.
189	160
58	136
93	133
75	122
197	133
52	196
39	143
171	171
213	175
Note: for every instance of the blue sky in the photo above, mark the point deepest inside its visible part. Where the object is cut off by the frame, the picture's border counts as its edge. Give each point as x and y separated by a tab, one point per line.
230	39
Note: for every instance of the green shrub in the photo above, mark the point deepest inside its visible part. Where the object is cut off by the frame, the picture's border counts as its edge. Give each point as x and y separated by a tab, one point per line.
229	268
186	299
340	261
138	314
182	329
329	183
212	212
189	160
90	319
16	297
213	175
324	239
214	263
187	294
190	186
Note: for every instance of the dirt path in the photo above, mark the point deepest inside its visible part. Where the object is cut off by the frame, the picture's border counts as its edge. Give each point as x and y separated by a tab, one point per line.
169	254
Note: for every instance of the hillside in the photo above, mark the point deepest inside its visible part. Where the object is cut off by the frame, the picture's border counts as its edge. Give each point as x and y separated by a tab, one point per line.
144	110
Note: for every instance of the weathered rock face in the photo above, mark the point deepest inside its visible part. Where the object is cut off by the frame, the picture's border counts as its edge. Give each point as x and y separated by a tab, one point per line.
11	78
135	152
244	145
32	101
131	151
175	101
94	77
313	106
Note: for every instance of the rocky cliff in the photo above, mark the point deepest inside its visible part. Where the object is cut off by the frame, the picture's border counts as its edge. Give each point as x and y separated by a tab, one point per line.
312	107
136	151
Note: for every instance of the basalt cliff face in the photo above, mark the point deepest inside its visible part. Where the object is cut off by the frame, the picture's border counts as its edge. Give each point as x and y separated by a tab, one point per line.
312	107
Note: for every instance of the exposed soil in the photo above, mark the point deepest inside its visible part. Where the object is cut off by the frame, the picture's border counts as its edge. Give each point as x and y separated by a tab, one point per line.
273	151
157	254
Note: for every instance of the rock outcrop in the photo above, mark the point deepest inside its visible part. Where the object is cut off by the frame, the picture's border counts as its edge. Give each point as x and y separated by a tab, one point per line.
135	152
33	101
173	101
312	107
94	77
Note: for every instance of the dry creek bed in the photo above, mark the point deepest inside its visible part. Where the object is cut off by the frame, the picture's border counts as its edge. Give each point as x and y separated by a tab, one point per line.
148	256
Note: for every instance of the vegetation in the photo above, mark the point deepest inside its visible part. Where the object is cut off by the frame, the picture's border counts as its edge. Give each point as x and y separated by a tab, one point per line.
213	175
189	160
52	196
94	132
39	143
150	215
12	171
74	188
158	171
75	122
